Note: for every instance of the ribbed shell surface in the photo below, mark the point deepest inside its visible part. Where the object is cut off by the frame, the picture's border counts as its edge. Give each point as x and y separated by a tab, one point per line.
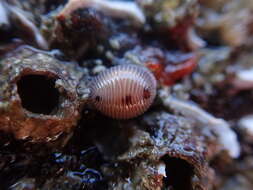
124	91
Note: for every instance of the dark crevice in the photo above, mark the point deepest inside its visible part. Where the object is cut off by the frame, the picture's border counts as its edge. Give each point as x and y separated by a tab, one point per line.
38	94
178	174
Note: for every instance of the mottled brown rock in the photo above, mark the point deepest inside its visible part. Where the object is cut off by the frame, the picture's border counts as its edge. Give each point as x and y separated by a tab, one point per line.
38	95
83	28
77	32
173	22
226	28
168	152
185	148
20	25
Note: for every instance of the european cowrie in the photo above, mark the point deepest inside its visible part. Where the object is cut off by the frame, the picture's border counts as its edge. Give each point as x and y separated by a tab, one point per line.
123	91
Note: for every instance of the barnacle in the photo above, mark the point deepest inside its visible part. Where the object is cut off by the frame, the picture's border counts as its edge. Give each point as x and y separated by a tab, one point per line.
40	100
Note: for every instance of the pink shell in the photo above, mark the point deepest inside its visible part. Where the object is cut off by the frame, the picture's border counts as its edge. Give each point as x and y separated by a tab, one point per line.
124	91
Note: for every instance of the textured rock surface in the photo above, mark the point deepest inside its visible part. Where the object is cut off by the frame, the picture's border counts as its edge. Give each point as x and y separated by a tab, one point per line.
196	135
39	97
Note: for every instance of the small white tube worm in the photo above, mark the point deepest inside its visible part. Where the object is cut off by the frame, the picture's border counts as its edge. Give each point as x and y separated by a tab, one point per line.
226	135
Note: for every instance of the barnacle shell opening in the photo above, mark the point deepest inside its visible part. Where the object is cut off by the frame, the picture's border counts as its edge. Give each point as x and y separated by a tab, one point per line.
124	91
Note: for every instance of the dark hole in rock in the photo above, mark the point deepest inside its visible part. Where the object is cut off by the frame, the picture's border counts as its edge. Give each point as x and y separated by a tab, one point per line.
178	172
38	93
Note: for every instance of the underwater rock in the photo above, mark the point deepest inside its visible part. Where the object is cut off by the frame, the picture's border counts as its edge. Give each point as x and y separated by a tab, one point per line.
39	98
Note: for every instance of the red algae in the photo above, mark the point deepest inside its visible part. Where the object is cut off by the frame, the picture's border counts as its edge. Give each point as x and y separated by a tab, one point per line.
168	73
179	33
